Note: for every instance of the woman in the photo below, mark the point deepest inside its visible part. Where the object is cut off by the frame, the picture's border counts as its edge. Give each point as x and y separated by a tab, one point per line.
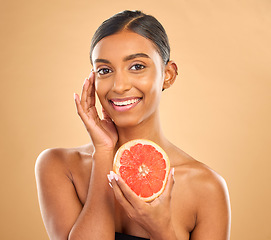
130	55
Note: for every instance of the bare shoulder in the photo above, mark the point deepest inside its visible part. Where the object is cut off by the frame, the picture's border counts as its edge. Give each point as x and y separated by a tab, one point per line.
195	175
201	180
202	193
62	178
63	160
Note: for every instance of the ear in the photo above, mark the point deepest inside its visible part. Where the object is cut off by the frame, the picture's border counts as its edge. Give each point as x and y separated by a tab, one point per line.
171	72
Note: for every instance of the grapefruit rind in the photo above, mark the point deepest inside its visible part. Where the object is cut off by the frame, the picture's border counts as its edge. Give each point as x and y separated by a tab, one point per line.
160	180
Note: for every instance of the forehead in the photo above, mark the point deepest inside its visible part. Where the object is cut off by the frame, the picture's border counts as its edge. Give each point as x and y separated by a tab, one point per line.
122	44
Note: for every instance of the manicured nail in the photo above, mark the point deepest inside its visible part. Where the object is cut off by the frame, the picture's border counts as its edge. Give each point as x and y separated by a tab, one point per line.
116	177
173	170
109	177
91	73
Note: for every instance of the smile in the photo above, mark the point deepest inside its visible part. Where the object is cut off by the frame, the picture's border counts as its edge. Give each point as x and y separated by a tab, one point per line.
124	104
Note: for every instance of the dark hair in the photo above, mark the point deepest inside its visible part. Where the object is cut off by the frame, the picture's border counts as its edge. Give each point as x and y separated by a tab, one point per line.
138	22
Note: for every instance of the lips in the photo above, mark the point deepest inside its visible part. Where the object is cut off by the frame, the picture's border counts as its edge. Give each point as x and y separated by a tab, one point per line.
124	104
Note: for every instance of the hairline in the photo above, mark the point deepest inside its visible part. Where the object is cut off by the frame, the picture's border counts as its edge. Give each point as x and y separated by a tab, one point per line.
126	28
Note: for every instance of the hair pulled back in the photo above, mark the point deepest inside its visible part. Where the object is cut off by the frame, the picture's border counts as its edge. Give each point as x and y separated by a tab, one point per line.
138	22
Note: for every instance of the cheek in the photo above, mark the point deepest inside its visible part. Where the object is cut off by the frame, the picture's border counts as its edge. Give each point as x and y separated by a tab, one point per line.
100	88
152	82
102	85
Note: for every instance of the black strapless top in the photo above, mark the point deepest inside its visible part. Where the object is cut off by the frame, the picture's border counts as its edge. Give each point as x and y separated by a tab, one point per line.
122	236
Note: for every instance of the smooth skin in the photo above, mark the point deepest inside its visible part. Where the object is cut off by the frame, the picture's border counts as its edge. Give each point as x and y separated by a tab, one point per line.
75	196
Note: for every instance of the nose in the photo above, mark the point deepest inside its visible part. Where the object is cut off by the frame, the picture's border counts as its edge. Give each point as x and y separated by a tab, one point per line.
122	83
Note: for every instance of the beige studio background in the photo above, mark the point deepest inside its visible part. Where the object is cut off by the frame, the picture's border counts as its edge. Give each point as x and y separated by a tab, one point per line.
218	111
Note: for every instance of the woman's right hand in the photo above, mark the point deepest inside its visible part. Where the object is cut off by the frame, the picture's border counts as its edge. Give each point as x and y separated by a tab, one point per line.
103	132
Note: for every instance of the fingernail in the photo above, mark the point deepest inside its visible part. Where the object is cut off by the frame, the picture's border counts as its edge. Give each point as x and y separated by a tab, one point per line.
109	178
173	170
85	81
74	95
111	175
116	177
91	73
110	185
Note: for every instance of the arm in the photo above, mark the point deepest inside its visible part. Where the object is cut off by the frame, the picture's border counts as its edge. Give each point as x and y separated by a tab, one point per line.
58	200
96	220
63	214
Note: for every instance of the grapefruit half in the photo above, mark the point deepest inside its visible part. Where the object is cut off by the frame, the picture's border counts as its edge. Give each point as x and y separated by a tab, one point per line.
144	166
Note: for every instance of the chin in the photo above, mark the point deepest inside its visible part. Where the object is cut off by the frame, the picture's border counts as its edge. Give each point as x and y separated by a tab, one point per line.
127	122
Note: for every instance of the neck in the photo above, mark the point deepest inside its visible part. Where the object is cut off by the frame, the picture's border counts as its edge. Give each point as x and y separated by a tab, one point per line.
148	129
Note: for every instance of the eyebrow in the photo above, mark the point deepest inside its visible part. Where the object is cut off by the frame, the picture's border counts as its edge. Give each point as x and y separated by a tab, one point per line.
130	57
100	60
136	55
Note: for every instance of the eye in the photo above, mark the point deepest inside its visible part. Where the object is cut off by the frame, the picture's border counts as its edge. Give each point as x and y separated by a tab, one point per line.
104	71
137	67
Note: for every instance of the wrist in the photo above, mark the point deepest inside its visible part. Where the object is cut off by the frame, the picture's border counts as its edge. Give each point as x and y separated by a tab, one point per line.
103	156
102	151
104	145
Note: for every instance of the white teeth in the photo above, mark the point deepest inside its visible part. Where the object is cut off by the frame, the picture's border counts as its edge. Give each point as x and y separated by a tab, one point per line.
124	103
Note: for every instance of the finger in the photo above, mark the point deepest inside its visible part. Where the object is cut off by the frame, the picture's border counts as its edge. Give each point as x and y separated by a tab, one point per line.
80	110
84	94
91	90
127	192
169	185
119	194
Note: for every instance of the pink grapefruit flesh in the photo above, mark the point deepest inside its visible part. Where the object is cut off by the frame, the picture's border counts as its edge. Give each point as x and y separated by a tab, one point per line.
144	166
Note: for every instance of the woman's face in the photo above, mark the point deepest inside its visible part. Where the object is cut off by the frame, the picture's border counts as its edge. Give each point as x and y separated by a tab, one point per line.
128	77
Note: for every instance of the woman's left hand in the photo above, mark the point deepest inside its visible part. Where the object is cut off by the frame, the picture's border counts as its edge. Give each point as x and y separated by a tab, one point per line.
155	216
